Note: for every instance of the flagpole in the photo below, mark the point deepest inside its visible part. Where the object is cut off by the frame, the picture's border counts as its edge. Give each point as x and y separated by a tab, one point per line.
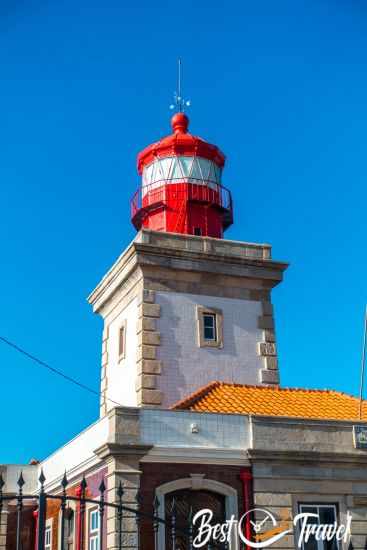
363	364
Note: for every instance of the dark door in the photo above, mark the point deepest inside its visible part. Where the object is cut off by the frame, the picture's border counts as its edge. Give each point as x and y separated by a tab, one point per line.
188	501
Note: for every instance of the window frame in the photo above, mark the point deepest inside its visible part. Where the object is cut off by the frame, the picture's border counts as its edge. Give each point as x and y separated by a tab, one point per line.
48	530
212	326
93	534
122	341
217	342
318	505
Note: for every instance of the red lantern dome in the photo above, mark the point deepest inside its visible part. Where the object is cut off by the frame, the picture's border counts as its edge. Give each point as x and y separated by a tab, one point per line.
181	189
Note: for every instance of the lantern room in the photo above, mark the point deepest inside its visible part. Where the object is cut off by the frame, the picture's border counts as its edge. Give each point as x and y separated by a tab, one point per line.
181	189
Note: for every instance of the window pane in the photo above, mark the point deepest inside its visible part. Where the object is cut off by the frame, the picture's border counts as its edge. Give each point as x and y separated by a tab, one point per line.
311	544
211	173
186	163
209	326
208	320
147	174
309	509
165	166
198	169
327	514
48	538
195	172
176	171
94	520
158	171
152	174
217	173
204	167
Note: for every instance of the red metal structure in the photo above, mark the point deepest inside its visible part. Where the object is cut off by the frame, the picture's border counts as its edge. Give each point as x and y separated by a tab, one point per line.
181	189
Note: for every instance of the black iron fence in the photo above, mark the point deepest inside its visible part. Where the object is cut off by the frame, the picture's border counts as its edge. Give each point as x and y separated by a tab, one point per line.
175	537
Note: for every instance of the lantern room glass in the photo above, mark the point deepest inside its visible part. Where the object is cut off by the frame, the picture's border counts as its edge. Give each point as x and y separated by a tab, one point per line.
185	169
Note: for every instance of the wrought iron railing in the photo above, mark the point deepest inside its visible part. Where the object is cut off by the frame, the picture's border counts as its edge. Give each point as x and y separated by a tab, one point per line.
20	500
153	195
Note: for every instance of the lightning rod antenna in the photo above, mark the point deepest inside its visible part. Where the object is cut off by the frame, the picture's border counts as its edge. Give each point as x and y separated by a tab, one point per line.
179	102
179	95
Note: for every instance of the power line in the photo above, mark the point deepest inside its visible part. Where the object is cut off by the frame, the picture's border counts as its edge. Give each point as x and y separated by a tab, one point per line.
52	369
318	421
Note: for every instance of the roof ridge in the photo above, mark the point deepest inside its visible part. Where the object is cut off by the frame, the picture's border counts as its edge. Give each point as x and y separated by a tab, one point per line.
191	399
290	389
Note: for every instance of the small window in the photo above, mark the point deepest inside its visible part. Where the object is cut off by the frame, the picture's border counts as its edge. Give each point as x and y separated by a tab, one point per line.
209	327
122	340
48	538
197	231
94	529
326	514
69	528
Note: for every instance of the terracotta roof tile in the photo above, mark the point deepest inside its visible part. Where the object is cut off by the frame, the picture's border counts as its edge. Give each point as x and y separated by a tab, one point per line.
225	397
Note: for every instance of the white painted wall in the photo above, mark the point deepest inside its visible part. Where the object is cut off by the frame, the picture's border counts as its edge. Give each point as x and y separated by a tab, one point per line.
121	375
186	367
11	473
77	455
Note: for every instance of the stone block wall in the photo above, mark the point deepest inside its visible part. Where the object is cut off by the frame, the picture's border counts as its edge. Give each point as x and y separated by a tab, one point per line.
302	461
281	485
160	271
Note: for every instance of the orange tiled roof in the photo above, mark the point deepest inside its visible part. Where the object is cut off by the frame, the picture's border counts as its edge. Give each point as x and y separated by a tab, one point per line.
225	397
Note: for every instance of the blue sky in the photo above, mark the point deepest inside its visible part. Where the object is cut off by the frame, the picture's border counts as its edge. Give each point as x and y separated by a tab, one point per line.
281	87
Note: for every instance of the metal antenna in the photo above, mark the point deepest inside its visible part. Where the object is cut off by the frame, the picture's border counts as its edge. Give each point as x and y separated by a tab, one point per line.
363	364
179	102
179	96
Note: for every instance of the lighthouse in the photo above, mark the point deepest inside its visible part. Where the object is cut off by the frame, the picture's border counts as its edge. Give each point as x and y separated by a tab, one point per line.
181	189
182	306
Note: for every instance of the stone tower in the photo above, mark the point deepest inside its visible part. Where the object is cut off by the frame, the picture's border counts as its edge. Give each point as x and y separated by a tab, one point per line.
182	306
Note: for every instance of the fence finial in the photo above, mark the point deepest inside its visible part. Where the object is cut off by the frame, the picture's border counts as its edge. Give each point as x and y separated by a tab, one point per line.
20	481
120	491
83	484
42	478
102	487
64	481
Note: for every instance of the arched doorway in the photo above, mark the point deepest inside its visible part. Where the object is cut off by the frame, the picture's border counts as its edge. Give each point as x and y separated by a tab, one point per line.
200	493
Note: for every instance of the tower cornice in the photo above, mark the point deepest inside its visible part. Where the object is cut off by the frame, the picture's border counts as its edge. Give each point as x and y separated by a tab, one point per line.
178	252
